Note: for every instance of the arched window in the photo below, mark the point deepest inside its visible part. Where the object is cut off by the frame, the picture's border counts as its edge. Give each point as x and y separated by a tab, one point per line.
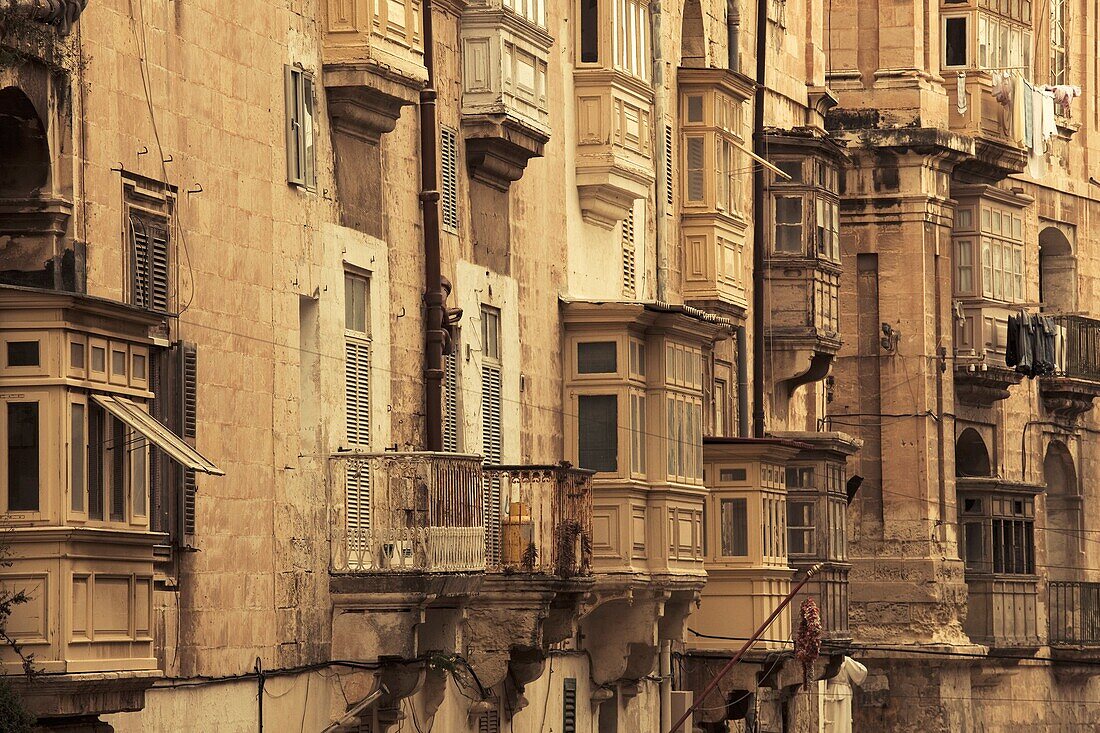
1063	520
693	52
971	455
24	150
1057	272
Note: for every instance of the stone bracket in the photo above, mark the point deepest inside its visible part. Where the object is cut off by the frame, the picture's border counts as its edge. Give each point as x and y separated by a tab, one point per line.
498	148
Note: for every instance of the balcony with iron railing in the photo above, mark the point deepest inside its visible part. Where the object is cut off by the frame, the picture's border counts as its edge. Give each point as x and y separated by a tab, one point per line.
421	512
407	512
1073	610
545	523
1070	391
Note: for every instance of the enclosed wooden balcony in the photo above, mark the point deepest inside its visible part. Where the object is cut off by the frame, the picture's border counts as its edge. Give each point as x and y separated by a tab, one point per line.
505	113
411	512
981	335
997	154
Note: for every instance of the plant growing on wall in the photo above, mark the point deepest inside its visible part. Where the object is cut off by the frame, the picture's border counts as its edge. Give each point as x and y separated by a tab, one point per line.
14	718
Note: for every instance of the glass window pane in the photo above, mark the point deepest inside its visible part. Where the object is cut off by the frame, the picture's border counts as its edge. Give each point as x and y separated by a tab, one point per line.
597	432
139	487
735	532
955	41
596	358
118	450
76	355
23	456
23	353
77	448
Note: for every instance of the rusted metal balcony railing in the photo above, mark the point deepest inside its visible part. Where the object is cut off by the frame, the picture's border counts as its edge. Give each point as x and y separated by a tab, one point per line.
407	512
545	519
1081	359
1074	611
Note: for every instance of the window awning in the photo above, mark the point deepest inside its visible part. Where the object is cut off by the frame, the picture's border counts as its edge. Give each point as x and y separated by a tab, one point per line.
156	433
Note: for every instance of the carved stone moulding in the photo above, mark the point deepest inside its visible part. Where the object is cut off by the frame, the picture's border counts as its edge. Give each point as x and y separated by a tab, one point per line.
1068	398
984	385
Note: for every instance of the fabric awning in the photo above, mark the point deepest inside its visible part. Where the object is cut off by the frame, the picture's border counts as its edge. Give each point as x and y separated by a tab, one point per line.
156	433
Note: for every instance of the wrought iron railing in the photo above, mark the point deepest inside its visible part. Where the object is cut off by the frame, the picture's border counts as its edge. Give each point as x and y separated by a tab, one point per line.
1081	357
545	519
407	512
1074	612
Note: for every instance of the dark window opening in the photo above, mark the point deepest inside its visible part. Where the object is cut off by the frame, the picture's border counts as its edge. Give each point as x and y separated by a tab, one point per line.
23	353
590	33
597	432
23	456
955	38
597	358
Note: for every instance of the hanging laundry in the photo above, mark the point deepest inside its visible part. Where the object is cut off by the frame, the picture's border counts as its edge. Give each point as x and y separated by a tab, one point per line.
1043	128
1032	345
1002	88
960	93
1019	124
1064	94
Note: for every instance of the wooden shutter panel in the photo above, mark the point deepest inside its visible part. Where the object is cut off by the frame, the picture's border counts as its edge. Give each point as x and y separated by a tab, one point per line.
448	159
357	391
569	705
695	163
189	403
668	164
293	125
158	269
450	402
489	722
629	280
492	449
139	263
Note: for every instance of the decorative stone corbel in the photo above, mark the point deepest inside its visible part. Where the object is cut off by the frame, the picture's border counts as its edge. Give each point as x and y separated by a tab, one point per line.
60	13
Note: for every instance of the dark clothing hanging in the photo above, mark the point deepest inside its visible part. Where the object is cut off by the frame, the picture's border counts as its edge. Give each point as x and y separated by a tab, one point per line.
1030	346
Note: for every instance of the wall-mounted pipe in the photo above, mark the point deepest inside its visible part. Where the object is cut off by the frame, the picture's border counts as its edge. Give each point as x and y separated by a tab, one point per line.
434	335
759	424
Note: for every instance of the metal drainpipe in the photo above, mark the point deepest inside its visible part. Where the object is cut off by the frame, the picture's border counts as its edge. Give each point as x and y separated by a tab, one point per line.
742	383
660	106
758	417
433	289
666	685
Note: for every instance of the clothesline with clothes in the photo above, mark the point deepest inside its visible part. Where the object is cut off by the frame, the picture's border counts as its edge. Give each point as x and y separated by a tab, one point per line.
1036	345
1032	112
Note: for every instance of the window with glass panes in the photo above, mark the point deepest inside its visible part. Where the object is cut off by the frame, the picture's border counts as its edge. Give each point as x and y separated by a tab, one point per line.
1058	54
806	209
987	34
998	533
1002	253
712	127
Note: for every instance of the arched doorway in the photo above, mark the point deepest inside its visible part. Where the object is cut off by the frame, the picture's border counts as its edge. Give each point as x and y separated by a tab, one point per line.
1057	272
971	455
24	149
693	50
1063	517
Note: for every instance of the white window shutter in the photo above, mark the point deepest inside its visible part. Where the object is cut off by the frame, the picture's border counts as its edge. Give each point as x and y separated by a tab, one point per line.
450	402
492	449
448	161
629	278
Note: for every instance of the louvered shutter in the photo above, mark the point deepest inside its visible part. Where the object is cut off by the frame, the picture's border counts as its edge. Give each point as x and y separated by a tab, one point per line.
695	163
448	162
629	282
139	262
569	705
158	269
492	449
450	402
489	722
668	164
189	373
357	356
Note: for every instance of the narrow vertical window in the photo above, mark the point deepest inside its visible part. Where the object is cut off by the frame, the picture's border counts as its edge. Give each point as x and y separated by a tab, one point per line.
357	359
590	31
448	164
118	451
598	432
139	483
492	423
696	161
734	527
788	224
23	457
78	446
1058	73
955	39
300	161
668	165
97	422
450	401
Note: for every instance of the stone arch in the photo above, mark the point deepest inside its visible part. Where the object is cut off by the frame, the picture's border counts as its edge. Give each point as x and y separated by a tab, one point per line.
24	147
1063	509
1057	271
693	45
971	455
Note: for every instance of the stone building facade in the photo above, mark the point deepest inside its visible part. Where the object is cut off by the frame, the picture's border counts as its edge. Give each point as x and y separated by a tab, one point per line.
705	267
